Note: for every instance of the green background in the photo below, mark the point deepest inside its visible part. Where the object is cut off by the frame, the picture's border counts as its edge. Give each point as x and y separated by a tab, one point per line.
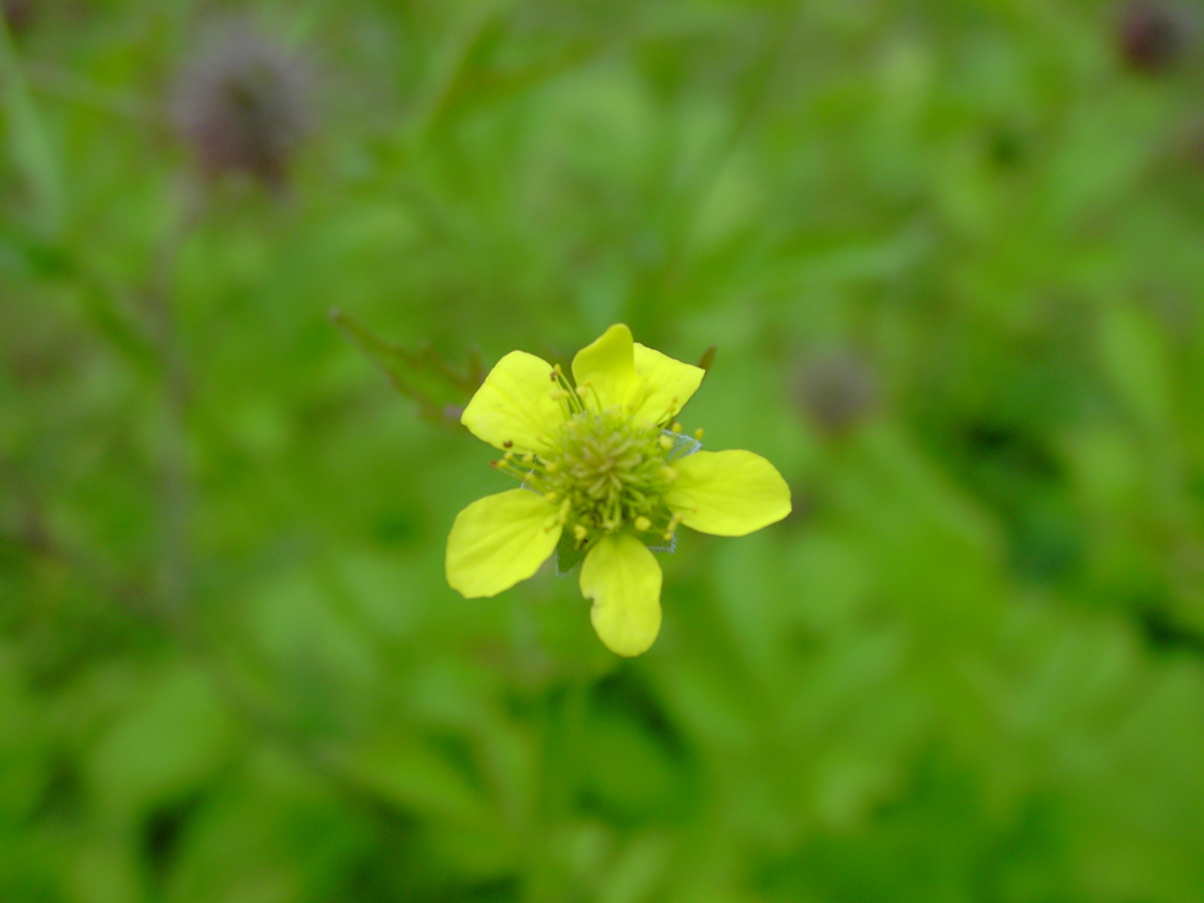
951	258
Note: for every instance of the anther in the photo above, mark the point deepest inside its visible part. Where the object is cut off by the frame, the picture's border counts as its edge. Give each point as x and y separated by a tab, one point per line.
666	443
643	524
676	427
509	443
698	434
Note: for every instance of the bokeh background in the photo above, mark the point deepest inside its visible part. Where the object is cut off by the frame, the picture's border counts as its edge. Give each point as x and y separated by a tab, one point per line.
950	255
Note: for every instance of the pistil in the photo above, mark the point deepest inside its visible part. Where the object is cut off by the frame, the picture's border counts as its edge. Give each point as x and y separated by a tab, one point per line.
605	471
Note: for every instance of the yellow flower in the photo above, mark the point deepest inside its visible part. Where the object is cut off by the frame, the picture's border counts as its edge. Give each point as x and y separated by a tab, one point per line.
605	474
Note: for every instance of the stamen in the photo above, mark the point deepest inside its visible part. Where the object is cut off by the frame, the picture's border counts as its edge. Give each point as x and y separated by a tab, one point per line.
588	387
602	469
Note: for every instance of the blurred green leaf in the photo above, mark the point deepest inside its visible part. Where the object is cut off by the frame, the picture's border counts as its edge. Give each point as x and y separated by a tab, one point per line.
34	153
165	747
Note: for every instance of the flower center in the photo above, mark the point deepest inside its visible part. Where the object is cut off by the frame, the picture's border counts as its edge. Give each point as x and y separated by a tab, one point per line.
610	471
606	472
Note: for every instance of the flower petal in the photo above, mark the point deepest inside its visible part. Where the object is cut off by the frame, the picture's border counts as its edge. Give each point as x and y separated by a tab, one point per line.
728	493
604	370
623	580
515	404
499	540
669	384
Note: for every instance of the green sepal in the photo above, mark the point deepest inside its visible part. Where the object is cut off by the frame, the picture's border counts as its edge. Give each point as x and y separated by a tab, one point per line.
568	556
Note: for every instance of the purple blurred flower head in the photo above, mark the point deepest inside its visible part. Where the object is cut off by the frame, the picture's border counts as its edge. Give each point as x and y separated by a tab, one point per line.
242	104
17	13
835	391
1153	35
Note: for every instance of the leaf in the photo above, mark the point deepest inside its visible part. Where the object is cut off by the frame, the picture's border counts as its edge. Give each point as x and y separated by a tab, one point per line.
412	775
168	743
33	153
1136	358
421	376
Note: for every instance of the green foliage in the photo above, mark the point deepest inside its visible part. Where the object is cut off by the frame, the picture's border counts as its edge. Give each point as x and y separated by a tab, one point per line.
970	667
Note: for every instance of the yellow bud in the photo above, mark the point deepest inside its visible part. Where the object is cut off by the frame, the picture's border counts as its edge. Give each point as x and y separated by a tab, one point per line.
643	524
